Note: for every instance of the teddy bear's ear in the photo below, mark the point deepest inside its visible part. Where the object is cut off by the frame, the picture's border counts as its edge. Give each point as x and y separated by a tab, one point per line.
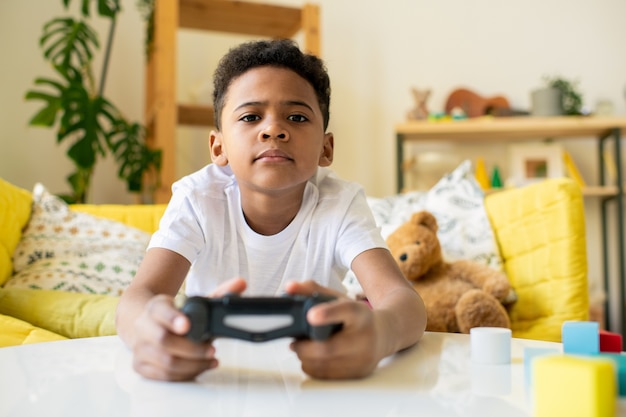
425	218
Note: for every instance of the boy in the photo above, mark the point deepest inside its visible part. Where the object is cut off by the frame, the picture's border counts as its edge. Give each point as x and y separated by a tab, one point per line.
267	217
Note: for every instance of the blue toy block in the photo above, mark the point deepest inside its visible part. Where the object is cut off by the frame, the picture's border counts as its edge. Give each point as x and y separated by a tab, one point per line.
620	370
581	337
530	353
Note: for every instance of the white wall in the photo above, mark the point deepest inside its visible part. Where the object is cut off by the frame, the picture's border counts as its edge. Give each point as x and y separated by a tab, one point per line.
375	51
29	154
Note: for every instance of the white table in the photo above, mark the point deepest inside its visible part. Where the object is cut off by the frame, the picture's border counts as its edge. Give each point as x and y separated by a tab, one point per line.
94	377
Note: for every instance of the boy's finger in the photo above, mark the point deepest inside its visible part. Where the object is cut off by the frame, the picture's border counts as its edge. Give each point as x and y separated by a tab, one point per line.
342	311
234	285
161	308
310	287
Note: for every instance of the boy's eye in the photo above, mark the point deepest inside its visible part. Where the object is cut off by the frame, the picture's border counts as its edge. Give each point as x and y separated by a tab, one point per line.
298	118
249	118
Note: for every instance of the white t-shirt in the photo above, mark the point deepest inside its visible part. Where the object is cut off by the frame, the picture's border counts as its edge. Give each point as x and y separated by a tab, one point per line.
204	223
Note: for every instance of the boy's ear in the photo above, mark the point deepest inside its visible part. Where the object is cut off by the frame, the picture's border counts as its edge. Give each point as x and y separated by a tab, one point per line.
326	157
218	153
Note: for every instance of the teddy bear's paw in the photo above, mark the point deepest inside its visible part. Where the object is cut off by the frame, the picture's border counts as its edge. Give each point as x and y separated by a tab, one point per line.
499	286
510	298
476	308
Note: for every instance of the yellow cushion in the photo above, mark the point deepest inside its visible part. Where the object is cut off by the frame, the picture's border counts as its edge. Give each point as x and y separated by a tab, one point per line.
18	332
15	206
143	217
541	233
69	314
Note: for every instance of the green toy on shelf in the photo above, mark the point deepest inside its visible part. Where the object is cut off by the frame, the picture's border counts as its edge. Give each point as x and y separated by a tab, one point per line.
496	180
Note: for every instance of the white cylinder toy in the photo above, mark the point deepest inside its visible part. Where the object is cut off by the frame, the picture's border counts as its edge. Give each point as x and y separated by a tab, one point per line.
490	345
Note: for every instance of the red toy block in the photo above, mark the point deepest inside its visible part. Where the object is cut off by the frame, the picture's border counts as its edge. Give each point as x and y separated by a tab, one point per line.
610	342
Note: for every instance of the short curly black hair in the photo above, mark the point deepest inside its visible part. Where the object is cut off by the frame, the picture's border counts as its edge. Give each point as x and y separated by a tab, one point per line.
282	53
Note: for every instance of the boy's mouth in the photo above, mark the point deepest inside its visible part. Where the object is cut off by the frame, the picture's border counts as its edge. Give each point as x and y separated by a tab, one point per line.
273	155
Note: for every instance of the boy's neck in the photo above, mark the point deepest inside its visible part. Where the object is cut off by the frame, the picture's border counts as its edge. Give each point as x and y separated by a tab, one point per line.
269	214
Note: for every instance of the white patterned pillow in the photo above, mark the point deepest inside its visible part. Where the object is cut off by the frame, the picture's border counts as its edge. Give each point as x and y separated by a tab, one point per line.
70	251
457	202
465	232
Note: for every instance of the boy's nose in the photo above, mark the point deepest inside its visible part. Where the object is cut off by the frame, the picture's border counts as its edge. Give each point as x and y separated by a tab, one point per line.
274	131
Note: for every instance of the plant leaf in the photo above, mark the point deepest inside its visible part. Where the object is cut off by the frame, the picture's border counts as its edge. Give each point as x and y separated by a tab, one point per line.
47	115
85	119
106	8
109	8
82	152
68	43
127	141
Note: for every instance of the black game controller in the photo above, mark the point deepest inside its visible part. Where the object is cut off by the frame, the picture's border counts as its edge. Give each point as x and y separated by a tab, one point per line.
255	319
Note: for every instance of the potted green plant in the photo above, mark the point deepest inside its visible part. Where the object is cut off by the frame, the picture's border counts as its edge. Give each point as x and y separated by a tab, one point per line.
75	104
571	97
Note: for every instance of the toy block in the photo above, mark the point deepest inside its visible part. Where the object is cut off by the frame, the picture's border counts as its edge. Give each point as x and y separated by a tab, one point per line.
490	345
620	369
610	342
530	353
580	337
573	386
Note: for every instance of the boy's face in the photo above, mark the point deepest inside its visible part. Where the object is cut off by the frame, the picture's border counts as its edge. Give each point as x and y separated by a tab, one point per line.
272	132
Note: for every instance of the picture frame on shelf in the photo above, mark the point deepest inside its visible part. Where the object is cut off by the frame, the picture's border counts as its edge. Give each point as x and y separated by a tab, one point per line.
534	162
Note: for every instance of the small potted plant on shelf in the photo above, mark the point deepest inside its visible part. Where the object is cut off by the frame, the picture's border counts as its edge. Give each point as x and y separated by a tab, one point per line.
560	96
571	97
74	102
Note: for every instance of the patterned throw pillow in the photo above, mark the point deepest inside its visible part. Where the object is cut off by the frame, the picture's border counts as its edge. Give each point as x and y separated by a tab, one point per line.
70	251
457	202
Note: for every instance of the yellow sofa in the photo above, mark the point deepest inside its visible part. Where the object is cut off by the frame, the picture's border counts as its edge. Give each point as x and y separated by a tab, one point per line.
31	316
539	229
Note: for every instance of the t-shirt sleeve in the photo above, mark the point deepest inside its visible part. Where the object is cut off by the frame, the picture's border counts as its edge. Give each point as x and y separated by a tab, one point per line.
358	232
179	229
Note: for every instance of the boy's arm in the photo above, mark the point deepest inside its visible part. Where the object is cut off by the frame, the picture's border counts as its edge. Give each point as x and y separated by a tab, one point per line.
399	311
161	272
396	320
154	329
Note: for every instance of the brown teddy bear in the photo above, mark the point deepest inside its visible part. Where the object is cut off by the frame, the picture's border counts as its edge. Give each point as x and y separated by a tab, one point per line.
458	295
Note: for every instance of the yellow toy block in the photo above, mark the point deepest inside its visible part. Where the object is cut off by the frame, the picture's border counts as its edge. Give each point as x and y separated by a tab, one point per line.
573	386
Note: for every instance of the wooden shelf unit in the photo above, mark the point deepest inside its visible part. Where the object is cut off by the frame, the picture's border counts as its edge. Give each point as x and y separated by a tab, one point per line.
516	129
162	113
508	129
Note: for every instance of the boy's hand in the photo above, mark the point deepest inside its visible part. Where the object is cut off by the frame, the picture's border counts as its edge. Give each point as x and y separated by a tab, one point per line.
162	351
350	353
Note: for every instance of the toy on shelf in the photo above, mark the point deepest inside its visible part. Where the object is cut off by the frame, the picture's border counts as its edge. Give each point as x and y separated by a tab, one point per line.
475	105
481	174
572	170
420	111
496	180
